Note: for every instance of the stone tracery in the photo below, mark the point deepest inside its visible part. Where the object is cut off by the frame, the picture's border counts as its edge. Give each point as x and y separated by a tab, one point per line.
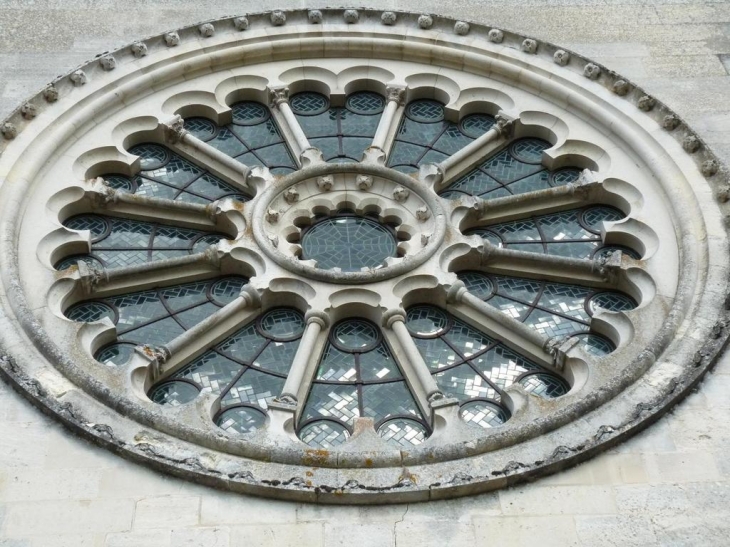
259	240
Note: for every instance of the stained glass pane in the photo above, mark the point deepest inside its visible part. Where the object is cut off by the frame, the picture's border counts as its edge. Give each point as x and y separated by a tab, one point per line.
166	174
252	138
424	135
426	320
612	301
174	393
324	434
118	242
468	364
115	354
355	335
483	414
554	309
574	233
357	376
545	385
250	366
342	134
282	324
516	169
87	312
241	419
595	344
349	243
404	433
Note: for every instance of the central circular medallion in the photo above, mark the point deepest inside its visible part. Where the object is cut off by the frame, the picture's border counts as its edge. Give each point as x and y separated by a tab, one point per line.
349	242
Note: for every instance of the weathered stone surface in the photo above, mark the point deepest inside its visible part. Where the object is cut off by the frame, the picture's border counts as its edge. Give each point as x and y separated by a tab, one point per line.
687	79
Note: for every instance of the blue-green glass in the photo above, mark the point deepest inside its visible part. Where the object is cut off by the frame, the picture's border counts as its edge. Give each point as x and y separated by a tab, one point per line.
403	432
348	242
425	136
575	233
466	363
595	344
545	385
358	377
173	393
250	366
165	174
241	419
553	309
252	138
516	169
118	242
483	413
341	133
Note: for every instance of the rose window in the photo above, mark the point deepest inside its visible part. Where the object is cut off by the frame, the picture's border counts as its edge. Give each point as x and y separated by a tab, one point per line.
353	259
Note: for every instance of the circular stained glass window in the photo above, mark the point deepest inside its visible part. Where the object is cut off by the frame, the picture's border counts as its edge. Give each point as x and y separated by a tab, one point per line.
372	263
349	243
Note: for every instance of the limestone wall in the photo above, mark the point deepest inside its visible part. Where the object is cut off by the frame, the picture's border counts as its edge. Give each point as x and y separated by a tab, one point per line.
668	486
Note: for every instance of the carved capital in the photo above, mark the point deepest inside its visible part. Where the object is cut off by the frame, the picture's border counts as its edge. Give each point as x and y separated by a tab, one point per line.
396	94
89	276
317	316
278	95
505	124
251	296
456	292
393	315
174	129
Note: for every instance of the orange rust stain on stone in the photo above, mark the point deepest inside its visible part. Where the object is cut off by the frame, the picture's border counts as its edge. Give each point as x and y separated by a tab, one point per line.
316	457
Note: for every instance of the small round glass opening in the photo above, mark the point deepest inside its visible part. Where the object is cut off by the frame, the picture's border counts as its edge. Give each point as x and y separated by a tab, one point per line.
349	242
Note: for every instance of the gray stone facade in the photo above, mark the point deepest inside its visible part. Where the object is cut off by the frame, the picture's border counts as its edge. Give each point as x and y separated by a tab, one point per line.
668	486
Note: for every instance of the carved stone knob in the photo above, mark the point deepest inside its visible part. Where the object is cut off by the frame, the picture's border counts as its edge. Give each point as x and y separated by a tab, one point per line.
206	30
529	45
172	39
291	195
325	183
425	21
495	35
78	78
401	194
388	18
139	49
364	182
241	23
561	57
461	28
108	62
591	71
621	87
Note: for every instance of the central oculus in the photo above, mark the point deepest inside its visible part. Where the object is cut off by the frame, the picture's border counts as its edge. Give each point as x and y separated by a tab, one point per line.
349	242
